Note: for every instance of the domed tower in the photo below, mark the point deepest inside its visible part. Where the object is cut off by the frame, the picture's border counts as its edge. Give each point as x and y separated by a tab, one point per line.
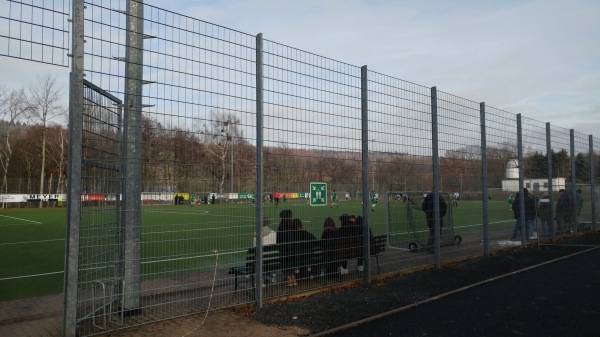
512	169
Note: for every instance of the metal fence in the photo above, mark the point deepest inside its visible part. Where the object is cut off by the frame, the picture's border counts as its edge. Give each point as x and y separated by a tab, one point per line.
36	30
197	139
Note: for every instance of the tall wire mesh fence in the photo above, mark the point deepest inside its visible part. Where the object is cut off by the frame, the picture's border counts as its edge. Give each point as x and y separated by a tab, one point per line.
197	140
36	30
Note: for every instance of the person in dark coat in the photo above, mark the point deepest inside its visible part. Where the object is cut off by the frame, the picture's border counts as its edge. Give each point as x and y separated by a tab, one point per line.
428	207
564	212
285	226
328	237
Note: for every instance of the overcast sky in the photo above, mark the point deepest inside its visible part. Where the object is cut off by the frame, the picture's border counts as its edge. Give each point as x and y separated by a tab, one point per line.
538	58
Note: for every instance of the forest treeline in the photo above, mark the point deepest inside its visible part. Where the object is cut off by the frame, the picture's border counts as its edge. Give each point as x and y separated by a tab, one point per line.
216	157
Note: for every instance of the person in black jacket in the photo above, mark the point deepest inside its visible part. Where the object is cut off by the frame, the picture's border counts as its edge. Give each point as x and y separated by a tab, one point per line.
285	226
564	212
428	207
328	237
530	214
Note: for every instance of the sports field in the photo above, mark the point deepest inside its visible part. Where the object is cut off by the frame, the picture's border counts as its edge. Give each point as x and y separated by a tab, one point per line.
176	239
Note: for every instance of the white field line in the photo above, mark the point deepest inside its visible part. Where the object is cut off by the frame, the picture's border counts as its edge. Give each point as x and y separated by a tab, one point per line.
25	242
26	276
175	212
21	219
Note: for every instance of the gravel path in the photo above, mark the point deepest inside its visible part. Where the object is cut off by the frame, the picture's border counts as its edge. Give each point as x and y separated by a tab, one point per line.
339	307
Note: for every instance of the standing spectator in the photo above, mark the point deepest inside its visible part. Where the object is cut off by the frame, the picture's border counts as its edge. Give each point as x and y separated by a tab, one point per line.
579	201
428	207
530	214
531	203
544	215
213	199
563	213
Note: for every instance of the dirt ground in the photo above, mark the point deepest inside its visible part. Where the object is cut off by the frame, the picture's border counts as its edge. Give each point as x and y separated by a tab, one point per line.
344	305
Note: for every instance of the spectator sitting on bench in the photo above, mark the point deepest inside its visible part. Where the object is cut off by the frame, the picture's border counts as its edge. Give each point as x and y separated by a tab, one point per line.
358	229
268	236
346	230
285	226
330	233
299	234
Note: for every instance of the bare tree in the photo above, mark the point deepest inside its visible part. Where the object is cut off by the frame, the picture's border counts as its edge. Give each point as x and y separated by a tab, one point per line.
45	105
58	156
220	138
13	106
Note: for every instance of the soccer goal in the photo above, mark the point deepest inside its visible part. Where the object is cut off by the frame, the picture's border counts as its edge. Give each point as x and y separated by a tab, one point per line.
407	224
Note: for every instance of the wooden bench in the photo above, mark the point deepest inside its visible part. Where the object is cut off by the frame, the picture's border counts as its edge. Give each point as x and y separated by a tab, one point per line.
283	256
352	248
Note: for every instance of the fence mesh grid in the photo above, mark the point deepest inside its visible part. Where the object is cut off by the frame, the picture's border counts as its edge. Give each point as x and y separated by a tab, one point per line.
324	168
36	31
199	169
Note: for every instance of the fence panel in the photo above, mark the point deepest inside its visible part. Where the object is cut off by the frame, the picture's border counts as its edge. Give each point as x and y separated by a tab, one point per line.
461	172
337	150
197	134
35	31
400	158
312	164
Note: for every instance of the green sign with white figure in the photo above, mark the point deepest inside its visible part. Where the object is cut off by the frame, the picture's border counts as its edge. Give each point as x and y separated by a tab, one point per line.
318	194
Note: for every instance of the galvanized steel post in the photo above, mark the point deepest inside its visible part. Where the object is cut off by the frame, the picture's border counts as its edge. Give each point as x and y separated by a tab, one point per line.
436	175
521	192
593	181
71	276
551	224
132	155
364	100
575	218
259	168
484	181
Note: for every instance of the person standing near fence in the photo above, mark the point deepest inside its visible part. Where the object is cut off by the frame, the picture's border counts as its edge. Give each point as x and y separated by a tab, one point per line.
563	212
544	215
428	207
531	202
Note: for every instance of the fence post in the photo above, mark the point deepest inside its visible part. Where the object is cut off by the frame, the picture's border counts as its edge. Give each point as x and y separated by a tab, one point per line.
521	192
592	181
575	218
364	108
259	169
436	176
132	140
484	181
551	224
69	327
